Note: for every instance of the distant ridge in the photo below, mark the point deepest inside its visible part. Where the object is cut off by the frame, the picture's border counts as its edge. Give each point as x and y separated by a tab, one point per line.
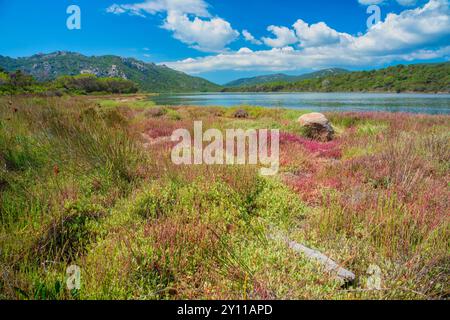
426	78
281	77
148	76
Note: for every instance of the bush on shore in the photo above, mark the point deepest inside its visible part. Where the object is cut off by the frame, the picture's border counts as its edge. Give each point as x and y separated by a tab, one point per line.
21	83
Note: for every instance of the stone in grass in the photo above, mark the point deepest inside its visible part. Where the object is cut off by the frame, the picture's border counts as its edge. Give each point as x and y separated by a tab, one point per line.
317	126
155	112
241	114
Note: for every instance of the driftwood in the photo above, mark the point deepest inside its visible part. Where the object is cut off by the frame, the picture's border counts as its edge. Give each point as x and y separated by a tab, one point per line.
329	265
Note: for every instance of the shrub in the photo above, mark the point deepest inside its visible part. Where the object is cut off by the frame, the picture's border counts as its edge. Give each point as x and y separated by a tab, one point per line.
90	84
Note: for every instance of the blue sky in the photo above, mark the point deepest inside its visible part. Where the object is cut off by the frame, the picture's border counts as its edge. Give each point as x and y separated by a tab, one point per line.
226	39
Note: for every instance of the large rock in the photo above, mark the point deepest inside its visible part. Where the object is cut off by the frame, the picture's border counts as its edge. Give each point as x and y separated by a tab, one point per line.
317	126
241	114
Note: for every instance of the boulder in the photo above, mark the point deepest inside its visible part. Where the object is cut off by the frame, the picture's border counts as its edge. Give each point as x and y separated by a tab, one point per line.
317	126
241	114
155	112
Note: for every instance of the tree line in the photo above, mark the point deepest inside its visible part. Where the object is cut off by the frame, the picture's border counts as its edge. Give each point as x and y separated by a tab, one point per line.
432	78
18	82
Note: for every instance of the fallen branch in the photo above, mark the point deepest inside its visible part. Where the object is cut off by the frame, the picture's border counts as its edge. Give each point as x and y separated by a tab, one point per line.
328	264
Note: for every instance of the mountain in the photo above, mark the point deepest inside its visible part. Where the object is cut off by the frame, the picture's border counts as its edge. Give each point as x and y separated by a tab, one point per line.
281	77
260	80
148	76
432	78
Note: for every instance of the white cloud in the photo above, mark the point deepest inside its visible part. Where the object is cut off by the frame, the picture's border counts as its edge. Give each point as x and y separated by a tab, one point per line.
422	33
425	26
202	32
250	38
116	9
406	3
283	37
285	59
195	7
205	35
318	34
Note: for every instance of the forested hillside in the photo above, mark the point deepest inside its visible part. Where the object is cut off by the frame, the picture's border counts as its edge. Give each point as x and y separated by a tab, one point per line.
433	78
284	77
148	76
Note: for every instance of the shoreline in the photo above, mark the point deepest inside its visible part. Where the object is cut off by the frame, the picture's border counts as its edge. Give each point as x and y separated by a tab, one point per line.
336	92
319	102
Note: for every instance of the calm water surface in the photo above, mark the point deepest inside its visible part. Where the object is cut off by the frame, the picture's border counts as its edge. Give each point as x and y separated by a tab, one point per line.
322	102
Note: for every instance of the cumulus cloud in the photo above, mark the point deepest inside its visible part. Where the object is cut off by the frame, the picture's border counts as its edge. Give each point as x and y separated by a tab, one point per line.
285	59
205	35
425	26
304	35
188	20
250	38
422	33
116	9
283	37
318	34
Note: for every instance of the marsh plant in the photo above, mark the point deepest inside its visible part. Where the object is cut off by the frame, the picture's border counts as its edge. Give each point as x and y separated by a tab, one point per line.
89	182
238	147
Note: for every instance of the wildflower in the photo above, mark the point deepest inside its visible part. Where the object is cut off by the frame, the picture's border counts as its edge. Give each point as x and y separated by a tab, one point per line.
56	170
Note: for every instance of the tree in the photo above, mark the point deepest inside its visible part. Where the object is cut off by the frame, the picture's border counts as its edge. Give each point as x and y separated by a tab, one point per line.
83	83
90	84
20	80
4	78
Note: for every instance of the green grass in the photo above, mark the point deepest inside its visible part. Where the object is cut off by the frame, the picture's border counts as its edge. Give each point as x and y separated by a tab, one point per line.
134	104
77	187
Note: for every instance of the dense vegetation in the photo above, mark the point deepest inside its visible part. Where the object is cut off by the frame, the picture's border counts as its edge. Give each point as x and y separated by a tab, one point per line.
21	83
90	183
148	76
280	77
413	78
90	84
153	78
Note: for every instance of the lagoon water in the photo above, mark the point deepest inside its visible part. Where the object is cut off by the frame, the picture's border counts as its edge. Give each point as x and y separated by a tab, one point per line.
321	102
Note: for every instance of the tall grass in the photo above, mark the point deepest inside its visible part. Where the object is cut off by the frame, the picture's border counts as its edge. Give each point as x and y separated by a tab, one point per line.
63	165
388	206
81	184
